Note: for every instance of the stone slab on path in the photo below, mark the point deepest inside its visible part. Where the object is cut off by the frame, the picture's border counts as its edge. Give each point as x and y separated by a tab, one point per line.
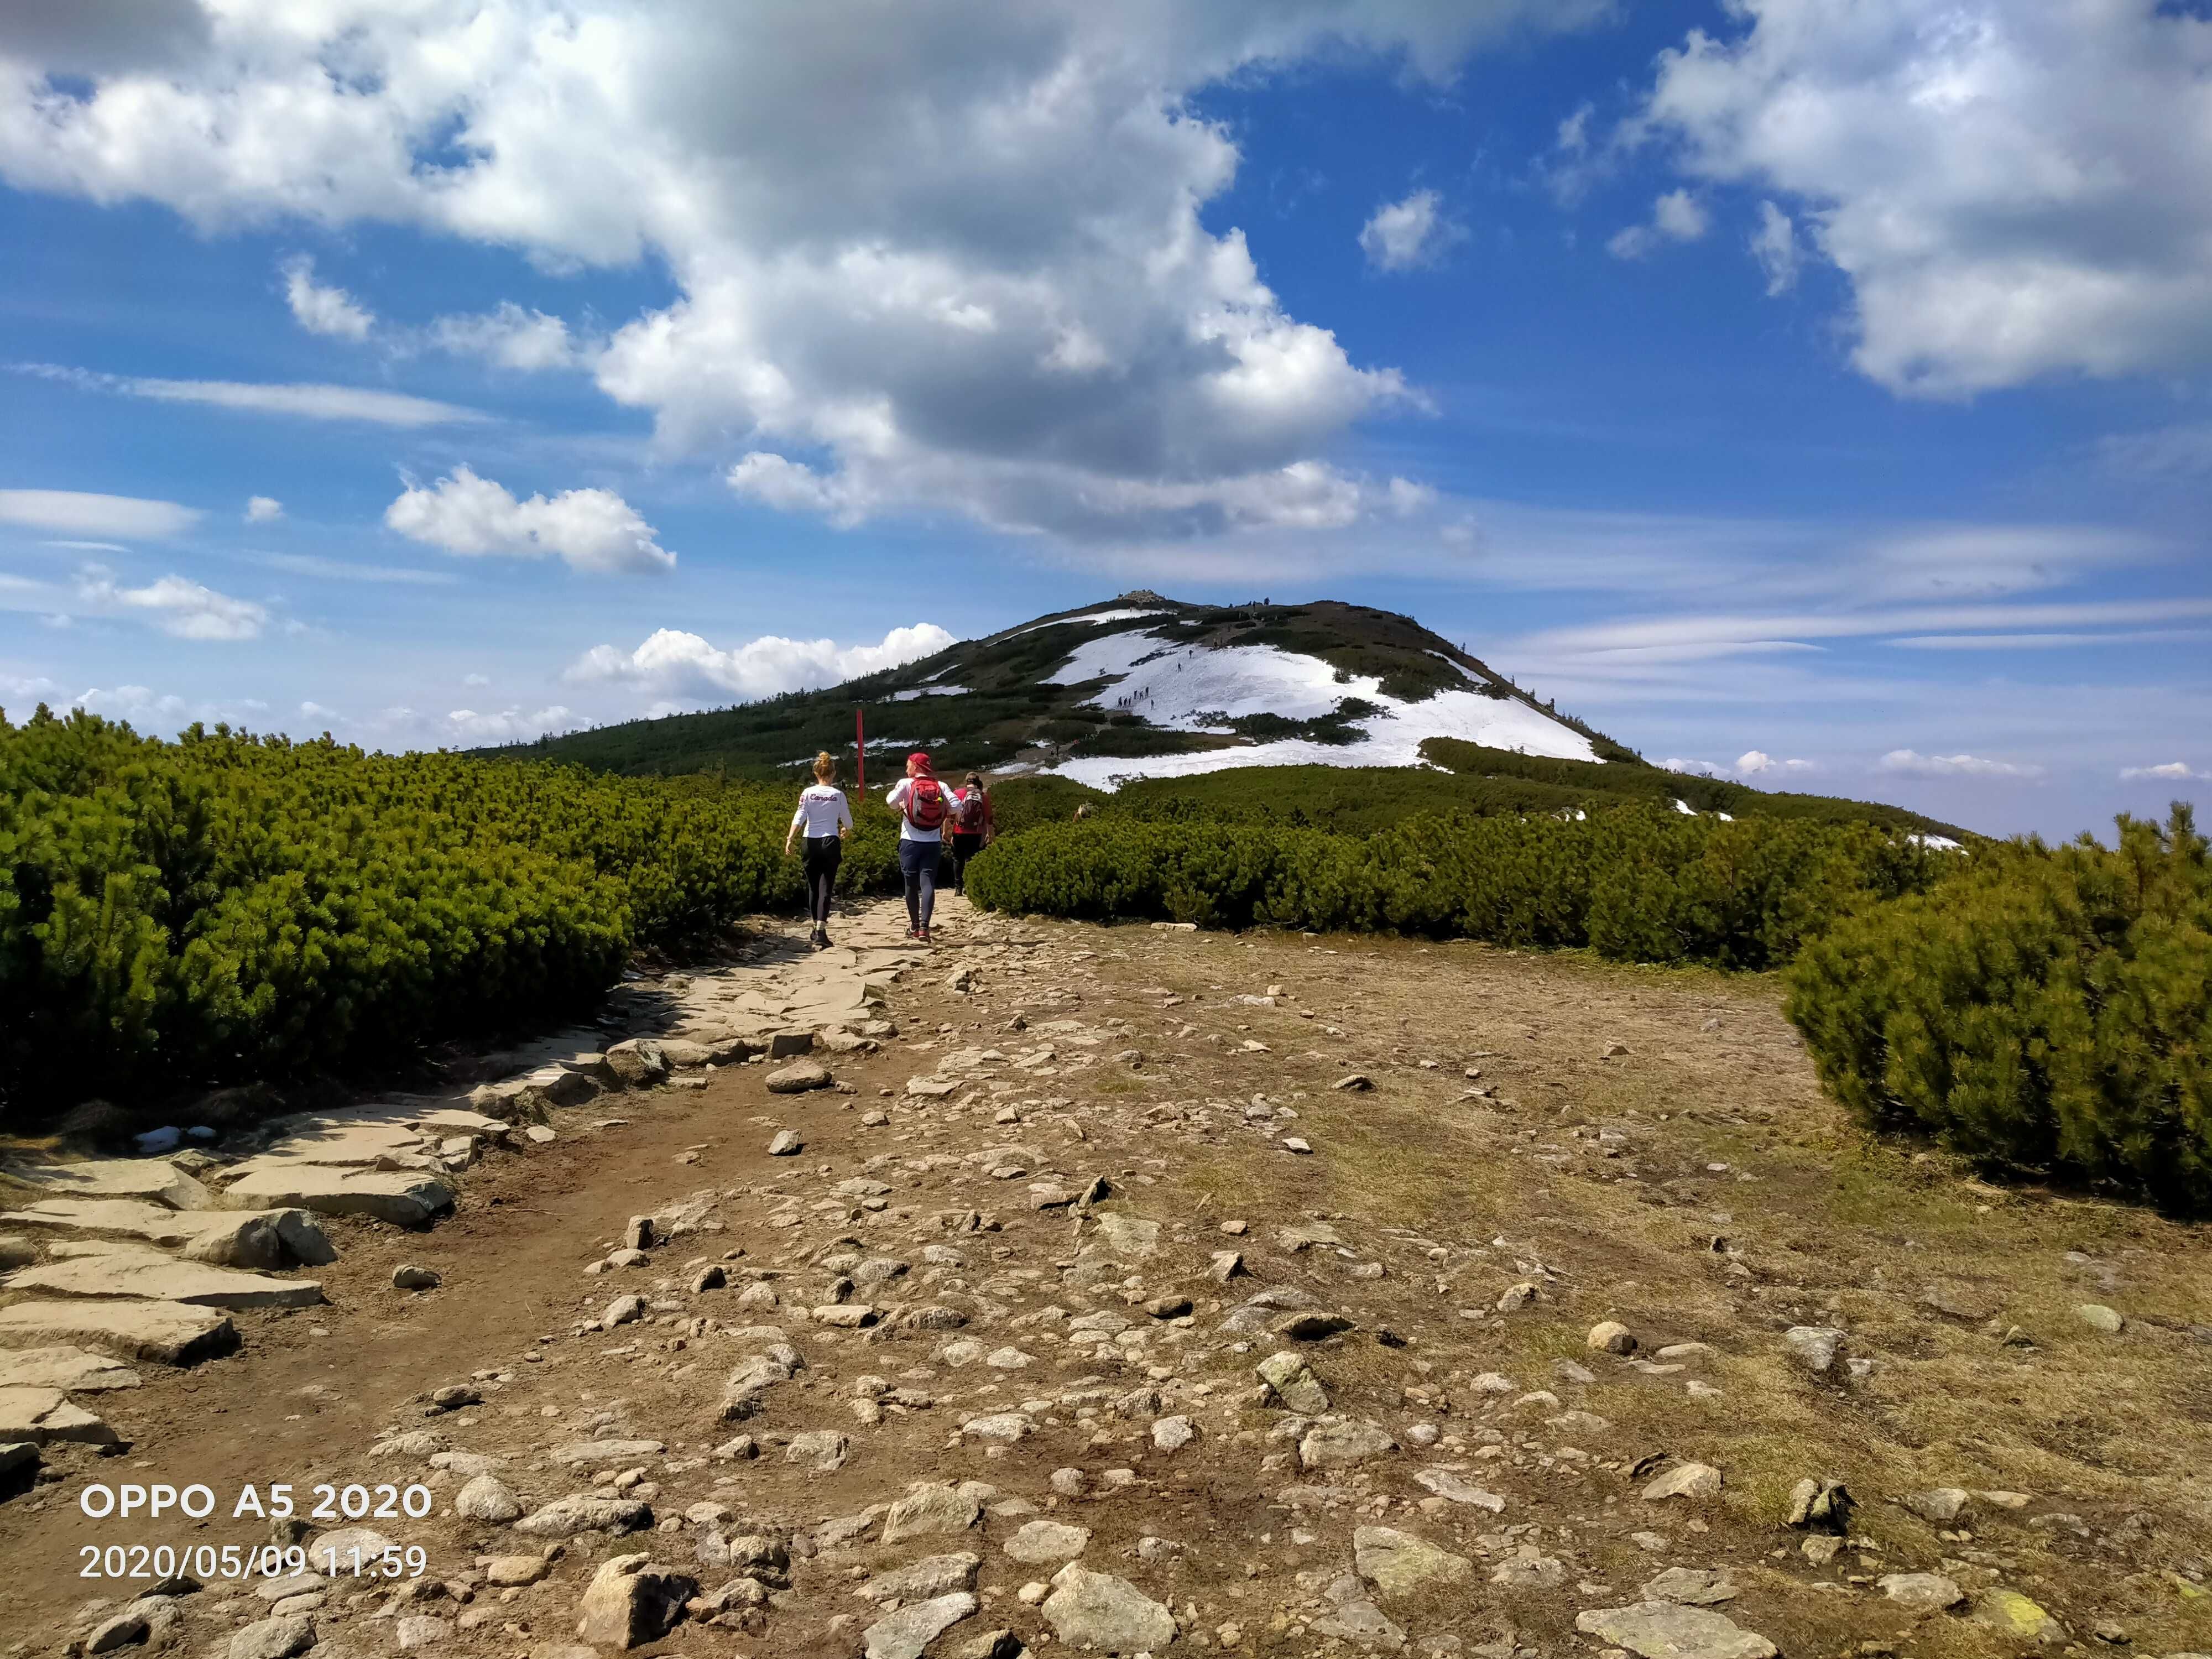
153	1180
343	1143
156	1333
407	1198
222	1238
40	1417
73	1371
135	1270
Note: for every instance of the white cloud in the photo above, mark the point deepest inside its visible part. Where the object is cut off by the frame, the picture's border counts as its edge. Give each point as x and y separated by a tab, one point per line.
474	680
466	725
1676	216
319	310
345	570
2182	451
2014	190
681	665
1774	245
263	509
306	400
176	604
508	336
1407	235
1912	764
2171	771
1694	768
956	251
315	711
593	530
78	512
1754	762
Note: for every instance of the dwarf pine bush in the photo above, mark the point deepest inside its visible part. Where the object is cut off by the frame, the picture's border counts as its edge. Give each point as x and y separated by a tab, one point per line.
1635	883
227	908
2048	1009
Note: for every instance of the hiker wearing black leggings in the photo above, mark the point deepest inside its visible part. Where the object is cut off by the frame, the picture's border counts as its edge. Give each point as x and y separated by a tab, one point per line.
922	804
824	814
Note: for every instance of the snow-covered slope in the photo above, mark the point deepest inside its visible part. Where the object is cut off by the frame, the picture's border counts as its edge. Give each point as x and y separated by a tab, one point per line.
1199	688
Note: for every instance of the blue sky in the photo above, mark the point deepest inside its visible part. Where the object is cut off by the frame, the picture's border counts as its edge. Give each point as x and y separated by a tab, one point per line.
1812	393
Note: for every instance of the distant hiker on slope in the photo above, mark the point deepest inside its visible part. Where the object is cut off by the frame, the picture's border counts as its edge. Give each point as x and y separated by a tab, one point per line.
827	819
974	827
923	804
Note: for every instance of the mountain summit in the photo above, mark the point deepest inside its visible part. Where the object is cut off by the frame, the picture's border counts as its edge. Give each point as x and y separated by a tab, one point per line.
1140	685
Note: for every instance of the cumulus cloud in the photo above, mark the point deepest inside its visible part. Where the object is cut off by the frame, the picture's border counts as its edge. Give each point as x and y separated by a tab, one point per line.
306	400
684	667
467	725
2013	191
1774	245
2171	771
175	605
1753	761
263	509
1676	216
1912	764
508	336
956	252
85	515
1407	235
590	530
321	310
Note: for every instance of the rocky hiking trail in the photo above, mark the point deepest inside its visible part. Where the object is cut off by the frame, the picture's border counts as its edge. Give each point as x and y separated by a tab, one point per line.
1118	1290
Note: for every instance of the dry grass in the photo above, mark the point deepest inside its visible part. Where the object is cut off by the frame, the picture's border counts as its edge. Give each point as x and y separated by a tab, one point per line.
1822	1225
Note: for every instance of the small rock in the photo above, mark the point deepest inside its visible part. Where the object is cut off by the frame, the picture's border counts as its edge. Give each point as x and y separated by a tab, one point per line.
487	1497
1090	1609
1358	1083
1698	1481
1920	1592
623	1310
1048	1541
1610	1337
1400	1563
1173	1433
799	1077
1820	1505
2098	1317
630	1602
1813	1347
904	1634
1661	1630
786	1144
2010	1614
1940	1504
1690	1587
409	1277
274	1638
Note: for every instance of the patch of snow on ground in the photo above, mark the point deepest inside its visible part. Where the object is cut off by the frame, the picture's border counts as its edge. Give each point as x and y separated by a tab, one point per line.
1937	843
927	690
1683	806
1465	673
1173	684
1089	616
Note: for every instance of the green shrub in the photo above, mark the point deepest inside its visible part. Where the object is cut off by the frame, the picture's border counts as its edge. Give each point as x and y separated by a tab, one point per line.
227	909
2048	1010
1633	884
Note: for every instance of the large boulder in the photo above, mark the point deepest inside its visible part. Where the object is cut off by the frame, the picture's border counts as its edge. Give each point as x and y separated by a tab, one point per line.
638	1063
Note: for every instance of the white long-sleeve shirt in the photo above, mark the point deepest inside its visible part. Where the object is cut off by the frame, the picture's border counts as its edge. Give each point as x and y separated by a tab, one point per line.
822	810
908	829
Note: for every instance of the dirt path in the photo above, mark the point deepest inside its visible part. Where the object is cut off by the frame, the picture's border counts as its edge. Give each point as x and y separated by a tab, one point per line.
933	1305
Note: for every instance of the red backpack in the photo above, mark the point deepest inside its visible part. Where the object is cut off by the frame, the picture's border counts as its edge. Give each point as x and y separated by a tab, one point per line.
924	804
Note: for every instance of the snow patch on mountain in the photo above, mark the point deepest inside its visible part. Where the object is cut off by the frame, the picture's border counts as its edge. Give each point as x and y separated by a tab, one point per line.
1190	687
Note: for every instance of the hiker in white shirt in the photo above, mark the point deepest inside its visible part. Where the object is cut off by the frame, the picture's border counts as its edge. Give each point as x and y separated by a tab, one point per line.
824	814
923	804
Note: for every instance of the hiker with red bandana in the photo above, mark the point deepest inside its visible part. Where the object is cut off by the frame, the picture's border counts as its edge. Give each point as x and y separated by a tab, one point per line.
923	804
